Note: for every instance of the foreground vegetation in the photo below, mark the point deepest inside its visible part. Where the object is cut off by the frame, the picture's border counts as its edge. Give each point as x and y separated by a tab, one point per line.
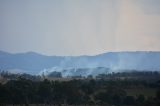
118	89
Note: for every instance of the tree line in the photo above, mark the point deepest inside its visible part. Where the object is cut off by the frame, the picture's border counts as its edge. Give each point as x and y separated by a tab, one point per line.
77	92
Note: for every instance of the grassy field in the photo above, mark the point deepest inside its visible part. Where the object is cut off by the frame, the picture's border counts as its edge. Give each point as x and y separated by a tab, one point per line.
147	92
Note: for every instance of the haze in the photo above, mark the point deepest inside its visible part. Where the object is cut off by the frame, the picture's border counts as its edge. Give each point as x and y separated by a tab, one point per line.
79	27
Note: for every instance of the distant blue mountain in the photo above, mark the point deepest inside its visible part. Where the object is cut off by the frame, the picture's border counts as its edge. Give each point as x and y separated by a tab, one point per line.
34	63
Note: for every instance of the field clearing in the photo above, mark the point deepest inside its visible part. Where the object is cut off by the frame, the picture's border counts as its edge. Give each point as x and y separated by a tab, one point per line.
147	92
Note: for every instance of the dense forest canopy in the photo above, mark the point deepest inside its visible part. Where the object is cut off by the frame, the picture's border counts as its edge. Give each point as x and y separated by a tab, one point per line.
119	89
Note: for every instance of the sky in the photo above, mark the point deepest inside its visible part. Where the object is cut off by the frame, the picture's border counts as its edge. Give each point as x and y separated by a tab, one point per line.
79	27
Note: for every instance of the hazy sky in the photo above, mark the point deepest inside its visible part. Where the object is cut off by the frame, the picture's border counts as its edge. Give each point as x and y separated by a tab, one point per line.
79	27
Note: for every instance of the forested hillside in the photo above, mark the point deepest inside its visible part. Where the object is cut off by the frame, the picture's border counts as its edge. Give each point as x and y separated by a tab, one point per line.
118	89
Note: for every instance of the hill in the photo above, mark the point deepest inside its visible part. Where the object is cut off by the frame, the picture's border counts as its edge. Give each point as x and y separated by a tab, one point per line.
33	63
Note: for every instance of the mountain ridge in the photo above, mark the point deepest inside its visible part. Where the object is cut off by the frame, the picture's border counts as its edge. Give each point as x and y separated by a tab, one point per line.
33	63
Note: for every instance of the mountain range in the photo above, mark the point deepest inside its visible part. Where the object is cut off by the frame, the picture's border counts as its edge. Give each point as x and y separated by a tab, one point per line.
34	63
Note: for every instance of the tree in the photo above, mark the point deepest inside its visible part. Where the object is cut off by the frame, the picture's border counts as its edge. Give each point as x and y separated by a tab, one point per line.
140	100
129	100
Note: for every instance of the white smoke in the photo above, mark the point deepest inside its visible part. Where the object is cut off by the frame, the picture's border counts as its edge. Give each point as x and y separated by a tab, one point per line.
75	71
